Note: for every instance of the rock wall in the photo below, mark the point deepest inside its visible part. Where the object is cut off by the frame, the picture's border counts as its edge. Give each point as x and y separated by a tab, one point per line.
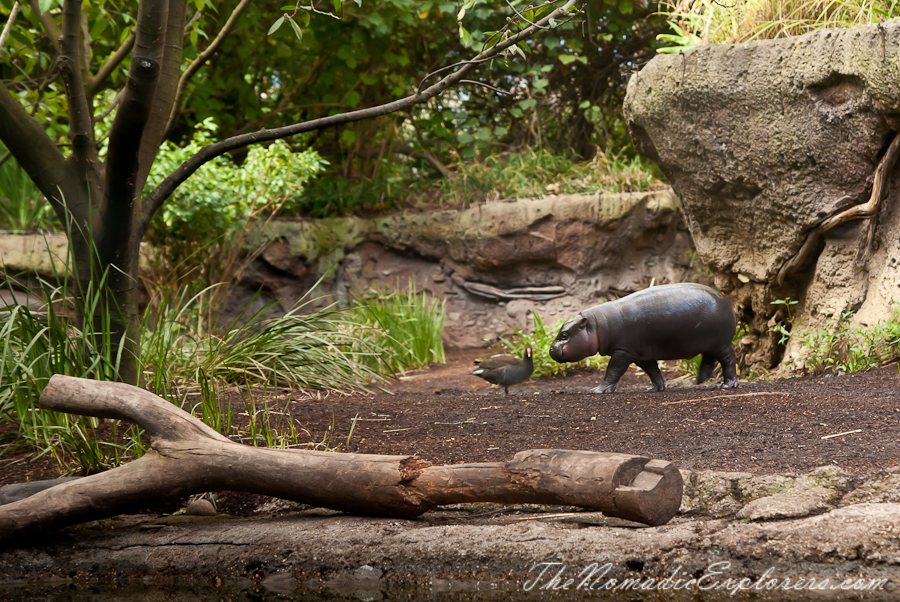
493	263
762	142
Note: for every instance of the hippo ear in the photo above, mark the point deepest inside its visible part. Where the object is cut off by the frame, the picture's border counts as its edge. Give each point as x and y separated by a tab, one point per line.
579	321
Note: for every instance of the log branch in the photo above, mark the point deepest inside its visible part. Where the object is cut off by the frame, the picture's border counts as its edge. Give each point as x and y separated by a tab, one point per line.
868	210
186	457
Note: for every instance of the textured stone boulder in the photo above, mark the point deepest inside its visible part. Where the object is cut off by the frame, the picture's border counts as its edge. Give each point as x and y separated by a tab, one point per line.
763	142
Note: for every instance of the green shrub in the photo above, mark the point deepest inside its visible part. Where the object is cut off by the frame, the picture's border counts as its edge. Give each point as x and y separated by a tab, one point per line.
540	342
838	346
222	197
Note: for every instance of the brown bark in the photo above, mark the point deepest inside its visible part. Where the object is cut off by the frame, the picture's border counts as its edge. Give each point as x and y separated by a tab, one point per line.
187	457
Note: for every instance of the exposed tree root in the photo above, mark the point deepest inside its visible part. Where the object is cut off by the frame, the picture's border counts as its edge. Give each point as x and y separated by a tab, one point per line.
867	210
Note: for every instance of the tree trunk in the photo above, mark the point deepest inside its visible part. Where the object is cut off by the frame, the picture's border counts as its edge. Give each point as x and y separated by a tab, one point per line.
187	457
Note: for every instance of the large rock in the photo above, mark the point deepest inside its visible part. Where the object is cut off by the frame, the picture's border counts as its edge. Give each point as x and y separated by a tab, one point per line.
580	249
762	141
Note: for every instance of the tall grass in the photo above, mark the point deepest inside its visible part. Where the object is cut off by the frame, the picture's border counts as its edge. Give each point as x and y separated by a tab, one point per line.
329	348
408	326
304	348
44	339
714	22
533	173
22	206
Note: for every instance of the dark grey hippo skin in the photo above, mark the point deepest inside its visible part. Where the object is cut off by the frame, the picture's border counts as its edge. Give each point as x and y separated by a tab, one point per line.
667	322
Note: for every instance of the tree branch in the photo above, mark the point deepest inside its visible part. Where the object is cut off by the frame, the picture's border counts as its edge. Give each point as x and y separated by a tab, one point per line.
81	125
156	198
34	150
111	63
201	60
48	23
127	131
9	22
155	132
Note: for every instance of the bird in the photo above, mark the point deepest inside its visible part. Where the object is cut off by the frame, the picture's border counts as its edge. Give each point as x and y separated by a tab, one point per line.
505	370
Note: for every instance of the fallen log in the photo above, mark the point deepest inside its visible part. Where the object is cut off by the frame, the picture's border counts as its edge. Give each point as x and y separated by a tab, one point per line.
187	457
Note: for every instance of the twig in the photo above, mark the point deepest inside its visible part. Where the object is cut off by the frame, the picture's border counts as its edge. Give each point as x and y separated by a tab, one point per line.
669	403
202	58
841	434
460	63
521	16
540	516
112	105
484	85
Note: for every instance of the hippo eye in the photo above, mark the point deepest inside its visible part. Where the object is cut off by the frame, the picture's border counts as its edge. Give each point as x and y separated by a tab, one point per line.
564	336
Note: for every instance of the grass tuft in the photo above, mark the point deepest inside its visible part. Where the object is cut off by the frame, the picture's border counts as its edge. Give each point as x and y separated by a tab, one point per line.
701	22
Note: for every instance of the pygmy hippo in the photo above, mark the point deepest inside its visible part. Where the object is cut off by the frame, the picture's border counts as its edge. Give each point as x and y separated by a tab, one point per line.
667	322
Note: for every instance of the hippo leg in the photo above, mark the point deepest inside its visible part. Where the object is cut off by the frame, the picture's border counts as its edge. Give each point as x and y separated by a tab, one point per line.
652	370
618	364
729	368
707	365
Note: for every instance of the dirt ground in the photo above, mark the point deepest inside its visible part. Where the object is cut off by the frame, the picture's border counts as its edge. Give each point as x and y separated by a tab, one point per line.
445	416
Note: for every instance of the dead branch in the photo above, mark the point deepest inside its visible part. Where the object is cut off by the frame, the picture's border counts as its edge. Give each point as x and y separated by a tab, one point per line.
868	210
188	457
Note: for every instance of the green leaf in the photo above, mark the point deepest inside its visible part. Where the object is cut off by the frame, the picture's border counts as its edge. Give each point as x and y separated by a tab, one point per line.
276	25
199	4
353	99
45	5
348	136
625	7
337	6
464	138
516	112
527	103
565	59
98	28
584	104
540	84
369	79
297	31
464	36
